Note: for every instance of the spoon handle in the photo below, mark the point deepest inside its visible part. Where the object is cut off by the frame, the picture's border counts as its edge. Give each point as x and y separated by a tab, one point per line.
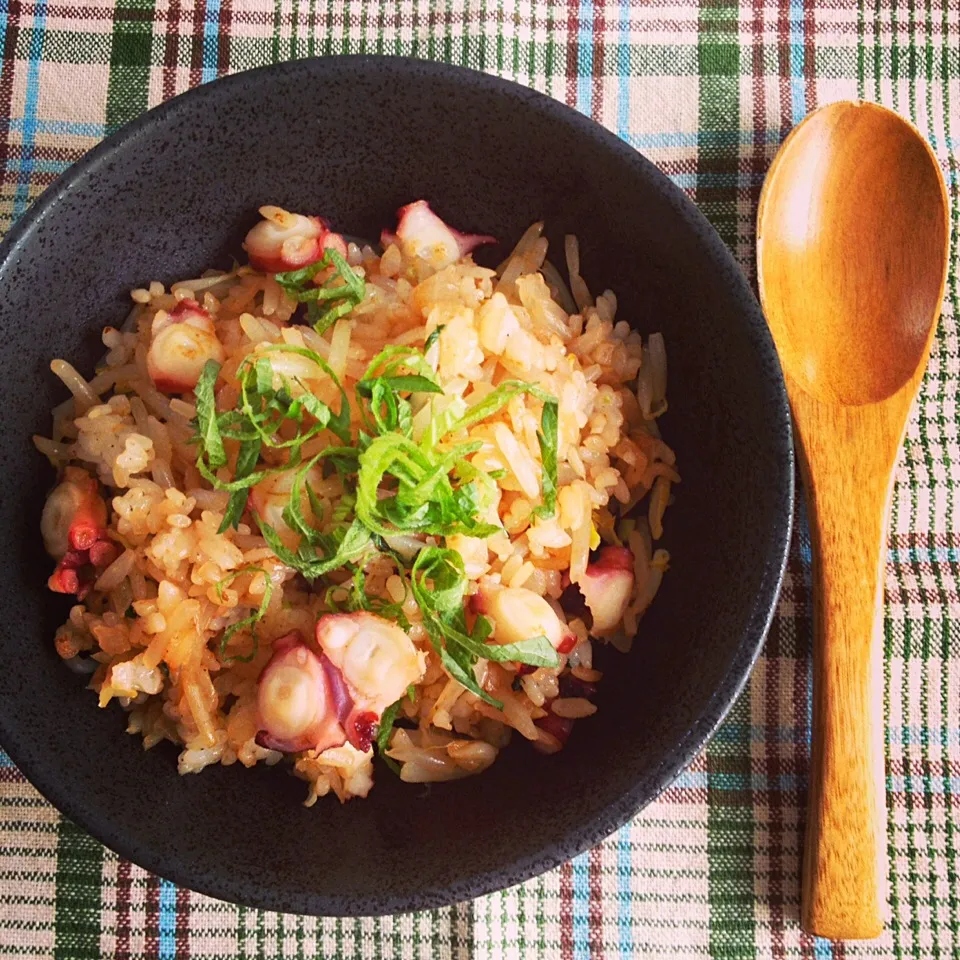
848	477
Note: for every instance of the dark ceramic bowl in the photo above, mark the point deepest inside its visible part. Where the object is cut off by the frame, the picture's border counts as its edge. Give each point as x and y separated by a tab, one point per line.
353	139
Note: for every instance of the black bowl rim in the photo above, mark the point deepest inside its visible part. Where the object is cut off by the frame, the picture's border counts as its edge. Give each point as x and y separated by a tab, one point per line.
754	635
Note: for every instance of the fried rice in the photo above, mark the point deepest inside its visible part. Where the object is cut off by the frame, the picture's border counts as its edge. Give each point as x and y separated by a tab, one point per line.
198	598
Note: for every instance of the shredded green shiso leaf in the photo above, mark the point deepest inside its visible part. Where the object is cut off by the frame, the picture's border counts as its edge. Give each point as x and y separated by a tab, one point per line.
250	621
327	303
393	484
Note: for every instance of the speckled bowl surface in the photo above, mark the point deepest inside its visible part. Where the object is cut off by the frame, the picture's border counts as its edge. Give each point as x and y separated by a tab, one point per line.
353	139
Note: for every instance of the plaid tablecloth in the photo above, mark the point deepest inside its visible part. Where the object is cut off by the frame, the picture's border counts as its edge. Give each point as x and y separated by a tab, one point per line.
707	91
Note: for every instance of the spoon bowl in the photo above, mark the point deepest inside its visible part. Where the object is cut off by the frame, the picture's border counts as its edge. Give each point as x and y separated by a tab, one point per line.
852	250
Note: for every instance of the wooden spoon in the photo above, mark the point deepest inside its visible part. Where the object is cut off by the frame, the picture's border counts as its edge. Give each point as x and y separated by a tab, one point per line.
852	248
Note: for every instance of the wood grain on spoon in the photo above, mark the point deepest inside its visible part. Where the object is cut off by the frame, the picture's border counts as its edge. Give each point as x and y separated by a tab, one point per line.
852	239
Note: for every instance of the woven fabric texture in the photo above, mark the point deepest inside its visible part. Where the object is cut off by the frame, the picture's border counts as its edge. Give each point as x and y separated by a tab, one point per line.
707	91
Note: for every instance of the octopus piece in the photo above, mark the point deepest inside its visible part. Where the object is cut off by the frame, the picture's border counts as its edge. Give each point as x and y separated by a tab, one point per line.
315	699
607	587
74	516
519	614
299	700
182	342
287	241
74	532
378	662
66	577
558	730
421	233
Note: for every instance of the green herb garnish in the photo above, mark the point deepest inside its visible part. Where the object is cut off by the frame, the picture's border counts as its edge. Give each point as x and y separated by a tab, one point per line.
349	546
250	621
387	719
261	411
391	483
358	599
549	441
445	622
208	424
393	371
326	304
547	435
403	489
247	459
434	337
430	488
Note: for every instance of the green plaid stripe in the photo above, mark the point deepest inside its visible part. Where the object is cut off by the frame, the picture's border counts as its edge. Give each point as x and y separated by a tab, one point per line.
707	90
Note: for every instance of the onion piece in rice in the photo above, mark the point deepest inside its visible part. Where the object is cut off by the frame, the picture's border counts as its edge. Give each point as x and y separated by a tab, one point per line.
117	571
558	287
578	286
84	398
